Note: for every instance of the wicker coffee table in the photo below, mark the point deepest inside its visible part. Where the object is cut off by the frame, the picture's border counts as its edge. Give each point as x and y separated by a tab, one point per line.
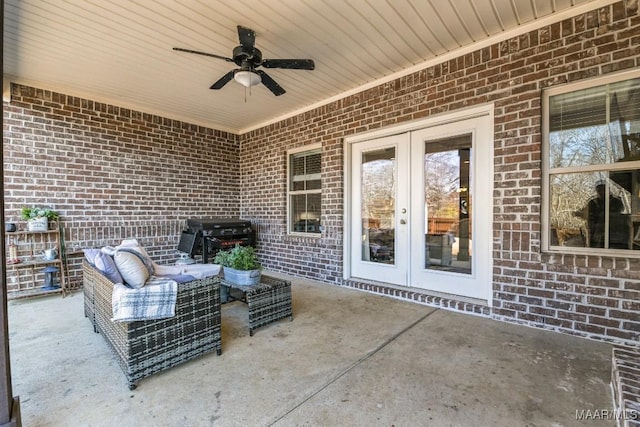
268	301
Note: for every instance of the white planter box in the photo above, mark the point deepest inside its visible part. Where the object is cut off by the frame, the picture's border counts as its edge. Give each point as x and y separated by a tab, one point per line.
39	224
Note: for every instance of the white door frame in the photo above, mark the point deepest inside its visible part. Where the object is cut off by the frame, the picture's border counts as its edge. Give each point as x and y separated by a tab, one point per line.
479	111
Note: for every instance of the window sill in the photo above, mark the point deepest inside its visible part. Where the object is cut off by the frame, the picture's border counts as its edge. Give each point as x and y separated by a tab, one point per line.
305	235
609	253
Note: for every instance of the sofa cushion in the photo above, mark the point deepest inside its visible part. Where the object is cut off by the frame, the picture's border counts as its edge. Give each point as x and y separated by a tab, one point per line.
107	266
131	267
90	255
197	271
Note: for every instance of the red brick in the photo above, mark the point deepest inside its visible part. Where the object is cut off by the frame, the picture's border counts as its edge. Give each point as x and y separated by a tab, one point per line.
155	172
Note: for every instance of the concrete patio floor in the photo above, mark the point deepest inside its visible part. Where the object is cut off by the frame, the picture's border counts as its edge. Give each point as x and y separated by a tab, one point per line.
348	358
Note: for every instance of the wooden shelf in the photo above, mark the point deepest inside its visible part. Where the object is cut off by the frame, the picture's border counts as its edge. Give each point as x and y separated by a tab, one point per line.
33	263
29	246
26	233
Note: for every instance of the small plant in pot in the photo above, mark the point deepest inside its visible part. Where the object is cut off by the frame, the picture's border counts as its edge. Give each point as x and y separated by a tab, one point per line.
38	218
240	265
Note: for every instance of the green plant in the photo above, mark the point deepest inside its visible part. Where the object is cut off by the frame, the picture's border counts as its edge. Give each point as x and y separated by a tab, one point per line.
35	213
238	258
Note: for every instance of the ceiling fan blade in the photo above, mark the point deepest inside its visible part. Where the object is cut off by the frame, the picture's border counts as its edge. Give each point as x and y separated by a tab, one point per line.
270	83
203	53
223	80
291	64
247	37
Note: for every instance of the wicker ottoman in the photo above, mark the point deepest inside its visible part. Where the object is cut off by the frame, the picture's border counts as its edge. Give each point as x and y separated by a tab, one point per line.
268	301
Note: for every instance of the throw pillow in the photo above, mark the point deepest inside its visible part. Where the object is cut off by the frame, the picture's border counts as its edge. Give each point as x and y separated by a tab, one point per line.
142	255
105	264
90	255
132	245
132	269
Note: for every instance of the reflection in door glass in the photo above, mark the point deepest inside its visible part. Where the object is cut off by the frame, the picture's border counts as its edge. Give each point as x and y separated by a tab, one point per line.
378	190
448	207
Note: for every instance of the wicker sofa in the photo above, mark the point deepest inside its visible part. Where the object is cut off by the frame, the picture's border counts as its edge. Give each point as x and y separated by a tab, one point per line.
146	347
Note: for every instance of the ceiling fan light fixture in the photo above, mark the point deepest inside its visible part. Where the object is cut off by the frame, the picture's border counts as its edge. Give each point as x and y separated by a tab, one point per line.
248	57
247	78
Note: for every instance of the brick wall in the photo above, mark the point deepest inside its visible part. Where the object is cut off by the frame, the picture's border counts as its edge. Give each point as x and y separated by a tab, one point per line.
264	186
590	296
113	173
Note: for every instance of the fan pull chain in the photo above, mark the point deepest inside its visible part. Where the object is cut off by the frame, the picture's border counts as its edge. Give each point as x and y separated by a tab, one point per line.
245	93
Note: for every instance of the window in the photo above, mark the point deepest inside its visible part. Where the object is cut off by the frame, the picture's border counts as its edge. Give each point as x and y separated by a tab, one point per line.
591	164
305	190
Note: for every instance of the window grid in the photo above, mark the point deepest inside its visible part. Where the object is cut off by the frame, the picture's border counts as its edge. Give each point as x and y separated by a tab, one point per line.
305	189
591	166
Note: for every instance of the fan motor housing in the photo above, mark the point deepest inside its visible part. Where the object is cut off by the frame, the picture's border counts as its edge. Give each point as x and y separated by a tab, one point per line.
242	55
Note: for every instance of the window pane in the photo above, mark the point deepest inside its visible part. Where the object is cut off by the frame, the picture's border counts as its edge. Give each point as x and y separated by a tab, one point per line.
313	163
305	213
305	171
297	164
597	210
305	177
624	124
378	195
448	179
313	184
594	126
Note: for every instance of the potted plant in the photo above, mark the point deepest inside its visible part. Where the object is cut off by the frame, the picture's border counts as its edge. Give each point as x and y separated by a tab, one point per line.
38	218
240	265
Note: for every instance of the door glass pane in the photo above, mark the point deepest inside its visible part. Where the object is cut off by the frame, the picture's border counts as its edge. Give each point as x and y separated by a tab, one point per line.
378	195
448	204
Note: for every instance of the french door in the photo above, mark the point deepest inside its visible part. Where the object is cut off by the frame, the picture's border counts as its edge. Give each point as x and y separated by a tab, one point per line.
380	233
421	208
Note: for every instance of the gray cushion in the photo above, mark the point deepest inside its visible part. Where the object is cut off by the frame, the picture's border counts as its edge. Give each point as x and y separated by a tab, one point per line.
90	255
107	266
131	267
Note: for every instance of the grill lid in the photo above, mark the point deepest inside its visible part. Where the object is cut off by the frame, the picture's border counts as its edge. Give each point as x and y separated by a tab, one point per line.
217	223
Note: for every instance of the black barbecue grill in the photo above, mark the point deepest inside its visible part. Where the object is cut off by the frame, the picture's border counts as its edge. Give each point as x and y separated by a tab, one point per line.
208	236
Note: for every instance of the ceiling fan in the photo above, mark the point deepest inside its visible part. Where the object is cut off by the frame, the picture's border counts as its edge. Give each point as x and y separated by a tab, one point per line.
248	58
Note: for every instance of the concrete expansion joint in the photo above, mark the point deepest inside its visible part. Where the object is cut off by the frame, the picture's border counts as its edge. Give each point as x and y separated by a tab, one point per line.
354	365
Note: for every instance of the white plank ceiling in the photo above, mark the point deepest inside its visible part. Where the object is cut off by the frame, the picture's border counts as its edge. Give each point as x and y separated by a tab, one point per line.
120	51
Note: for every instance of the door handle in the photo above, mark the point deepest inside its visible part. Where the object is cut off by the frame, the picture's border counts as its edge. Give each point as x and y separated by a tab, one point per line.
402	221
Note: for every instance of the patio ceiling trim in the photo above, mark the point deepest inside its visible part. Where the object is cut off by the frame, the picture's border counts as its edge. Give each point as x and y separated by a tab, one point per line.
7	79
552	19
